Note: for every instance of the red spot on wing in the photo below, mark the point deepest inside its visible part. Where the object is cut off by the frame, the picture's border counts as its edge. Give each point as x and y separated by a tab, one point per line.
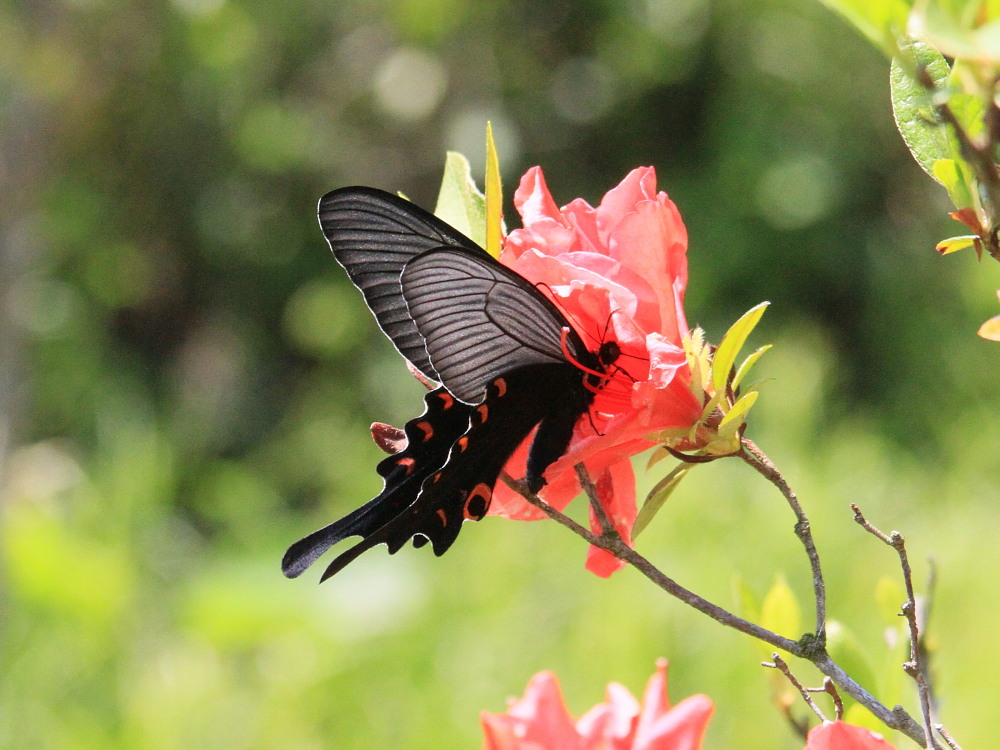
462	443
426	428
483	411
443	516
446	400
407	463
478	501
501	385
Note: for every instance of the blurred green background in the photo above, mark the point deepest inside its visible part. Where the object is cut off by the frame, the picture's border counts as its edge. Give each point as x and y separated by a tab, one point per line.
187	378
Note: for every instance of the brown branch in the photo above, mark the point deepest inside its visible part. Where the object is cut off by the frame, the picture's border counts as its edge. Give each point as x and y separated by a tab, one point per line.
779	664
830	689
807	647
607	527
617	547
947	737
754	457
916	665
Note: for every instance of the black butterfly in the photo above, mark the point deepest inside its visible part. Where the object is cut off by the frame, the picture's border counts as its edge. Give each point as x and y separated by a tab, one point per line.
506	358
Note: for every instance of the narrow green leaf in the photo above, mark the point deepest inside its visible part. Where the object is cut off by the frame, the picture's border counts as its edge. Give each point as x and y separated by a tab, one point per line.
913	107
780	611
658	496
954	244
747	605
846	650
889	597
660	453
459	201
731	344
494	197
748	363
950	173
739	409
990	330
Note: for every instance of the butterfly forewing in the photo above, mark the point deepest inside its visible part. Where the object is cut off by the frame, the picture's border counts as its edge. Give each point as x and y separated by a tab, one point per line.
373	235
480	320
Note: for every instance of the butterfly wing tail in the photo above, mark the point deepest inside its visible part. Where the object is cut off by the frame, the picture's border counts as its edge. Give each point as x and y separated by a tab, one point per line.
307	550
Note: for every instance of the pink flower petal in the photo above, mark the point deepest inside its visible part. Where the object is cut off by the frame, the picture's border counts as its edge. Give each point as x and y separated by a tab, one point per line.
539	721
836	735
617	272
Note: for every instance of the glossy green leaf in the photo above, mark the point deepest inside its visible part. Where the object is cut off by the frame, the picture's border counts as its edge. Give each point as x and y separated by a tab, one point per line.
731	344
747	365
954	244
913	107
740	408
658	496
494	197
459	201
950	174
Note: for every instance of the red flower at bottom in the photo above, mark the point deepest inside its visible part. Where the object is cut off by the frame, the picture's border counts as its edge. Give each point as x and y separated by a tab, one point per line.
540	721
836	735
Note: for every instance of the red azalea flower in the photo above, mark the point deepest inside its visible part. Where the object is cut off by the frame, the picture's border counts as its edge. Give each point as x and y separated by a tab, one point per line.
617	272
540	721
836	735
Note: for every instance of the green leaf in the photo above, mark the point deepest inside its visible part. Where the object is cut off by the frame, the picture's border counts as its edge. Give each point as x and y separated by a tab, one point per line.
845	649
747	364
658	496
990	330
459	201
494	197
747	605
659	454
913	107
739	409
954	244
951	174
889	597
879	20
731	344
780	611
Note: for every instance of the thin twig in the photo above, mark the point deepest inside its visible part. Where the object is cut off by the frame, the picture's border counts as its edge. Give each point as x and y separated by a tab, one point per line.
617	547
830	689
916	666
806	648
947	737
779	664
754	457
607	527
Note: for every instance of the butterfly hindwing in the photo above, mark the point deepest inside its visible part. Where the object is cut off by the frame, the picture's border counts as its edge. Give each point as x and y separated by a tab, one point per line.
461	489
373	235
429	439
